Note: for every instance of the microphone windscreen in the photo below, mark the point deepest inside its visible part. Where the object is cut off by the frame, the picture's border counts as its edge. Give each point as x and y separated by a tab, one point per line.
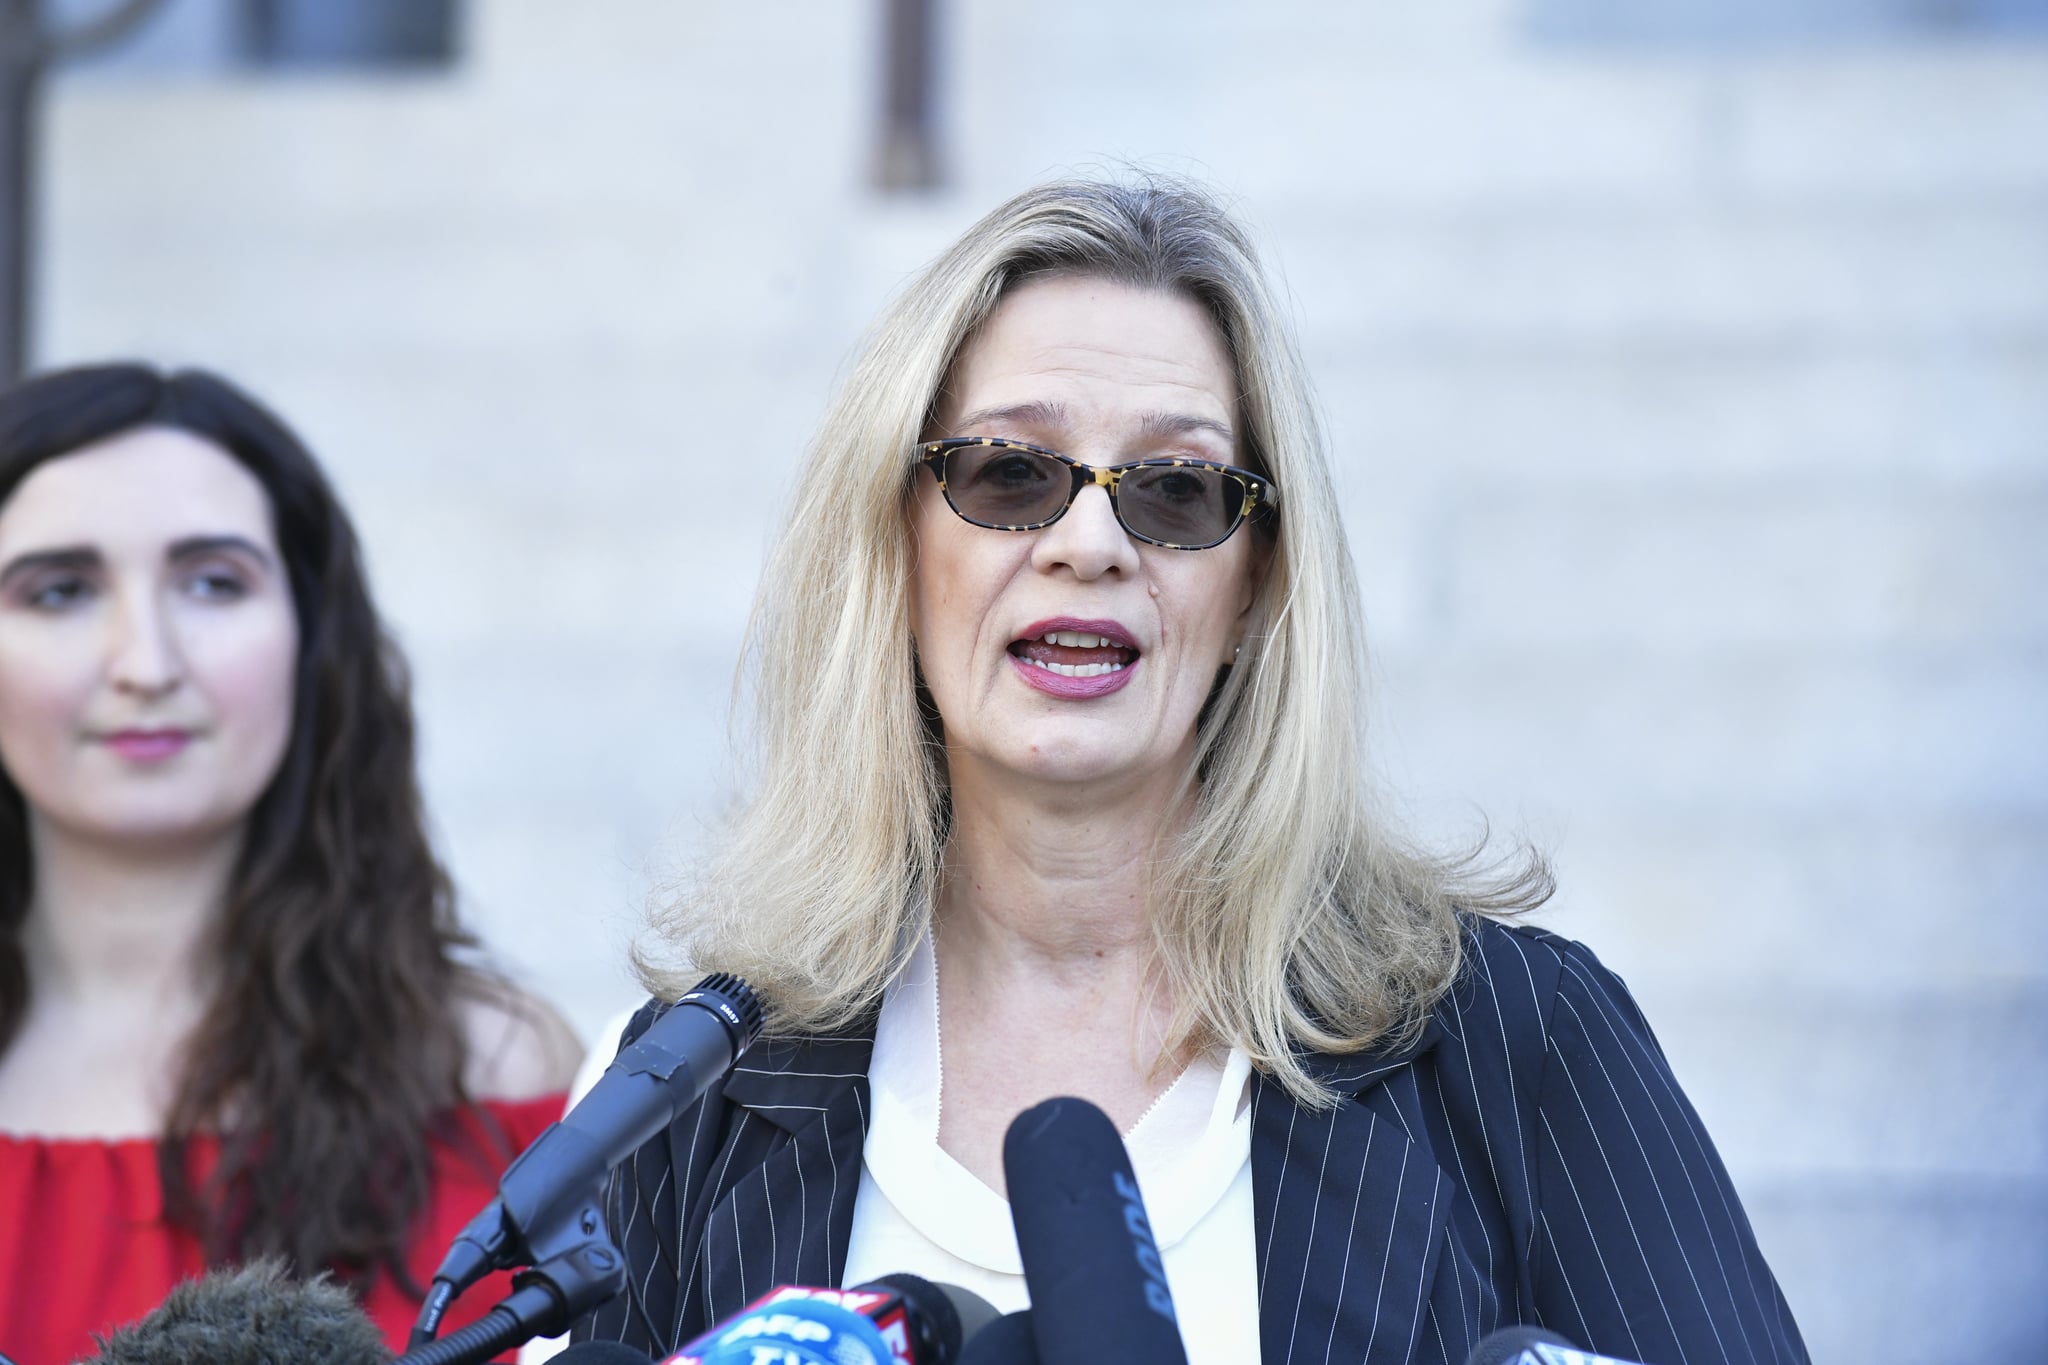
792	1328
1006	1341
1507	1346
253	1316
1098	1288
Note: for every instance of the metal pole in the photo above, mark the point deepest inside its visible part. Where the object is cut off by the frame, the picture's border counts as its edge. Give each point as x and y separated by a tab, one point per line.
908	158
21	63
27	50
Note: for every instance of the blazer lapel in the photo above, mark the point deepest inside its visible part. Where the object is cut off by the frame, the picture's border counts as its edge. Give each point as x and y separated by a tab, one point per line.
1347	1209
787	1218
1349	1217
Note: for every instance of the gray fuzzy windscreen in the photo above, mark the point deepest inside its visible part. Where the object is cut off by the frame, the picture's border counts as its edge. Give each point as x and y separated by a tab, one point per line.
256	1315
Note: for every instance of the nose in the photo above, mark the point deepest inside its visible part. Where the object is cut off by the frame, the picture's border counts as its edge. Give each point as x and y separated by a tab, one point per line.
1088	540
144	659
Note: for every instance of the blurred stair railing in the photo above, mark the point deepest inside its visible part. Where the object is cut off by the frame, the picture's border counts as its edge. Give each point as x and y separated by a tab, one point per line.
908	156
29	47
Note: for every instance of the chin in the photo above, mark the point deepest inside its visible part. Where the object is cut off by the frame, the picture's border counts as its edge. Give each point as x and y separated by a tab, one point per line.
1072	772
166	825
1081	760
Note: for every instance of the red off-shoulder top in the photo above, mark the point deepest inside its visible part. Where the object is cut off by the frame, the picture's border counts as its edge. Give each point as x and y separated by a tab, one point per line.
84	1247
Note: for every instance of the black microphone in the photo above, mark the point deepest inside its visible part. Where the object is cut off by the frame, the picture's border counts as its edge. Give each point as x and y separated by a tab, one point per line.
252	1316
938	1318
556	1182
1006	1341
1533	1346
1098	1288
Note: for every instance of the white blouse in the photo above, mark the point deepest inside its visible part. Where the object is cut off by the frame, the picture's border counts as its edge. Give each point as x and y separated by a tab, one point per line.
921	1211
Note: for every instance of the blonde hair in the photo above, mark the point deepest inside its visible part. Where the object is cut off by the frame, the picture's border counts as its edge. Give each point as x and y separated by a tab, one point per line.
1287	916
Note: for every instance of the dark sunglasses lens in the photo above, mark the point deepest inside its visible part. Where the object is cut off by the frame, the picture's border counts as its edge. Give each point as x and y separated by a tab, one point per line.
1181	505
1000	487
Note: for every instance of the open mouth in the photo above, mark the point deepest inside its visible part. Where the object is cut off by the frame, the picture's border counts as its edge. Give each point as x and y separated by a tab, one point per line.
1076	654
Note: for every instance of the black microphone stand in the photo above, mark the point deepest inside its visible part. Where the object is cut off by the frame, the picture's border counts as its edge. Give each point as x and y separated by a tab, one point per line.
548	1214
573	1268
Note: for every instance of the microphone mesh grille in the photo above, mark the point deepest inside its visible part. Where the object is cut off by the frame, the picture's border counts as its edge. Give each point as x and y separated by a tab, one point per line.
741	997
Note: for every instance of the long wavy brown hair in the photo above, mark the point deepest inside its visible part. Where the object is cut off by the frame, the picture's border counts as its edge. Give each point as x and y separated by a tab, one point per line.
330	1058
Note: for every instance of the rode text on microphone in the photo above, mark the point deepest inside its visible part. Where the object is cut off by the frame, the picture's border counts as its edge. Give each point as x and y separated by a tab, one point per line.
1097	1283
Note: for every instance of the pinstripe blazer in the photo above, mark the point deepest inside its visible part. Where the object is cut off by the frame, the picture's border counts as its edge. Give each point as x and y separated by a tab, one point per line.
1531	1159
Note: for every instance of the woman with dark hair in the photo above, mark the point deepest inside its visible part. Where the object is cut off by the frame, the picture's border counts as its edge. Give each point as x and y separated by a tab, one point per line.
238	1013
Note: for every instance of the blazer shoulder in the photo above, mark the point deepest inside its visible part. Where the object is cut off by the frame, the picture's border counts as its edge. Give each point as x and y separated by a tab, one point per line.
1519	985
1508	985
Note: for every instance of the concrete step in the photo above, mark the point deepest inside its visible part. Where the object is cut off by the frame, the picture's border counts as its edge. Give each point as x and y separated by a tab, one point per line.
638	732
1937	274
1339	109
1878	1084
1951	412
1909	1271
1858	734
1590	273
1812	900
1691	572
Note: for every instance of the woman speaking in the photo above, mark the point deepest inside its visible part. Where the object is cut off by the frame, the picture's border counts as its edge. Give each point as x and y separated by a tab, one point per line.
1060	791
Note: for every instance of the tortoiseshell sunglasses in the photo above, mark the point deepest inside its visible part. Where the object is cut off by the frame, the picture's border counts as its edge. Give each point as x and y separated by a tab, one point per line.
1010	486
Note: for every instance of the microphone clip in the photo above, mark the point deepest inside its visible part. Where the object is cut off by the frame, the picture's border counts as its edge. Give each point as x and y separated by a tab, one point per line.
546	1298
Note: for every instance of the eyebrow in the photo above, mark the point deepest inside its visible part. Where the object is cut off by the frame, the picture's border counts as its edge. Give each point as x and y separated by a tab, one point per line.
1036	413
71	557
78	558
191	547
1183	424
1040	413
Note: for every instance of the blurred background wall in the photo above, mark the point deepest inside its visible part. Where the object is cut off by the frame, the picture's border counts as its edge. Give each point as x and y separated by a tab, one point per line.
1686	368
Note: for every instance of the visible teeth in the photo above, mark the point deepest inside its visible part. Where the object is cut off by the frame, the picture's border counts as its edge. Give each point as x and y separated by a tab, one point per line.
1077	670
1075	640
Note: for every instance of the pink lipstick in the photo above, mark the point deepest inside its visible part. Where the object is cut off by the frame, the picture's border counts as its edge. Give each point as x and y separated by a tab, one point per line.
148	746
1076	659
